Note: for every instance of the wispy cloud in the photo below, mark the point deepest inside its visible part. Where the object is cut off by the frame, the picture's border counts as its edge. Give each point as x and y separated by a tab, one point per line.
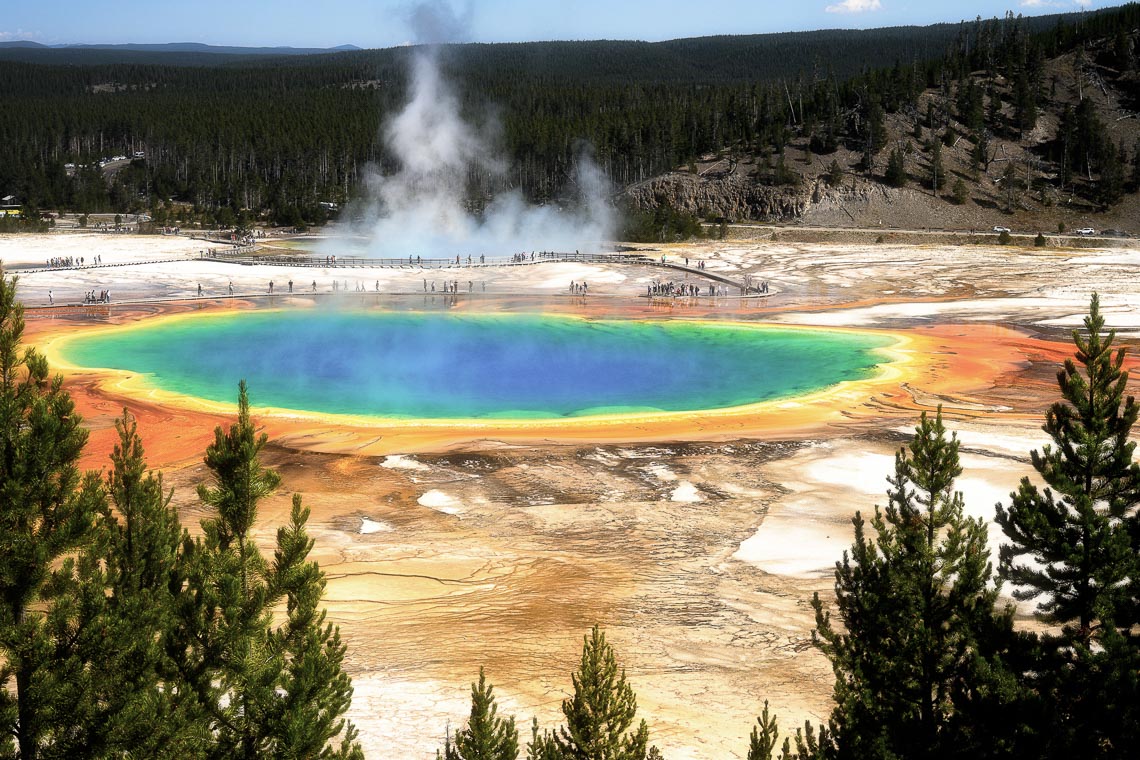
855	6
1054	3
19	34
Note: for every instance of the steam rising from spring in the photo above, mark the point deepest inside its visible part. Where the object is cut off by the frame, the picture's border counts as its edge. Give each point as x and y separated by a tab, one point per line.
420	209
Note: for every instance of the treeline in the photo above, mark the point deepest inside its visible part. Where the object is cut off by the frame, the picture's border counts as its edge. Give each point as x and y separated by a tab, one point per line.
272	138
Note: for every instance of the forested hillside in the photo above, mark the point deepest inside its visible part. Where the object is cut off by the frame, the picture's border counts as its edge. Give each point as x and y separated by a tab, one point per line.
272	137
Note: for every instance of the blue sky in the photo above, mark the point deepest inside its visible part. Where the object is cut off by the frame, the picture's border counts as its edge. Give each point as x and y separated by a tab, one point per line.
384	23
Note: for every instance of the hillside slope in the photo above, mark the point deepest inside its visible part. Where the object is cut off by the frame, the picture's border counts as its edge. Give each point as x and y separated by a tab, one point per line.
1023	178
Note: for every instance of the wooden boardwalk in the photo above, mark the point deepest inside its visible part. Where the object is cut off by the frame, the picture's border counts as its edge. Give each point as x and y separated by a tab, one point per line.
246	256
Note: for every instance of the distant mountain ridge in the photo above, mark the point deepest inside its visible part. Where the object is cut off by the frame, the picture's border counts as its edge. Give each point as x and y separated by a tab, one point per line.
697	60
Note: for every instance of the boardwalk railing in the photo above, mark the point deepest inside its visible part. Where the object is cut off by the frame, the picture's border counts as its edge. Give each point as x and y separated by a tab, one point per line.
244	255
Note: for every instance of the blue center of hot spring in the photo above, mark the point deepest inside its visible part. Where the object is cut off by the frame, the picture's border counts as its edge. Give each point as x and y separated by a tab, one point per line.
479	366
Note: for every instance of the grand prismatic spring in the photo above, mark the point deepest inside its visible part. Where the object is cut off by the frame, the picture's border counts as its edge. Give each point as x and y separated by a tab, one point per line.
439	366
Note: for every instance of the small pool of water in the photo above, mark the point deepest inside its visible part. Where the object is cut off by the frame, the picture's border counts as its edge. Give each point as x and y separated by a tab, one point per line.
443	366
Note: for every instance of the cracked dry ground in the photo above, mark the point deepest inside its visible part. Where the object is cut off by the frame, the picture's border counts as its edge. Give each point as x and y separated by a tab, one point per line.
541	545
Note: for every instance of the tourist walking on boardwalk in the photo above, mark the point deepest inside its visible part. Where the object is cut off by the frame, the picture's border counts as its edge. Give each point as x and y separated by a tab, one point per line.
51	299
199	290
290	286
231	290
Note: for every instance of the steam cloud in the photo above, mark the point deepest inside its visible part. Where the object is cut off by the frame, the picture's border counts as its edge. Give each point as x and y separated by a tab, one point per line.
420	209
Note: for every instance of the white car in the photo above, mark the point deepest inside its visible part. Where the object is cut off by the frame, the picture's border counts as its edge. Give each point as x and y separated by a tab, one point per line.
1086	231
1001	229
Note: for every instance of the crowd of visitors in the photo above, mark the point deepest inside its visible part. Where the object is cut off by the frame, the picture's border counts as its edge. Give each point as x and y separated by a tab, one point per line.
89	297
67	262
684	289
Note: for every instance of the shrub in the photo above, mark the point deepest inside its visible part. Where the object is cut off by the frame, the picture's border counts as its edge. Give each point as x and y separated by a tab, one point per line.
959	194
834	173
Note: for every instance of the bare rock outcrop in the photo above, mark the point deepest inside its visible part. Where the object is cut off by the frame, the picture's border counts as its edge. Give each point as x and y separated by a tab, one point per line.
733	196
857	202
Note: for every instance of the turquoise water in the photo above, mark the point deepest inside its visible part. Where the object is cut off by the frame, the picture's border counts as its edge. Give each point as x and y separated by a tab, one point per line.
478	366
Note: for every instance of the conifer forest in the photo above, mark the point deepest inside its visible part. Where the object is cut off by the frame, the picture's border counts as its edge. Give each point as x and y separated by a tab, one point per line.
248	139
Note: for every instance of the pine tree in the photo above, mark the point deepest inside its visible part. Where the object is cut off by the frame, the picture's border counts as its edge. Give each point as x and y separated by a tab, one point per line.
896	168
1110	188
1067	136
315	690
960	193
808	745
980	155
1072	534
486	736
1135	180
762	742
918	613
601	712
834	173
126	580
1074	548
1009	186
238	667
995	118
46	512
542	745
971	111
876	128
1024	104
267	692
937	173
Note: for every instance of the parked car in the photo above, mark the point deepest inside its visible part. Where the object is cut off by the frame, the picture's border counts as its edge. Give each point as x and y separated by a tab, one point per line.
1086	231
1001	229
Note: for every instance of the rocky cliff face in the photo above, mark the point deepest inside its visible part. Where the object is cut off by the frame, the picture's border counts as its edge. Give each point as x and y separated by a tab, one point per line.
738	197
733	197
